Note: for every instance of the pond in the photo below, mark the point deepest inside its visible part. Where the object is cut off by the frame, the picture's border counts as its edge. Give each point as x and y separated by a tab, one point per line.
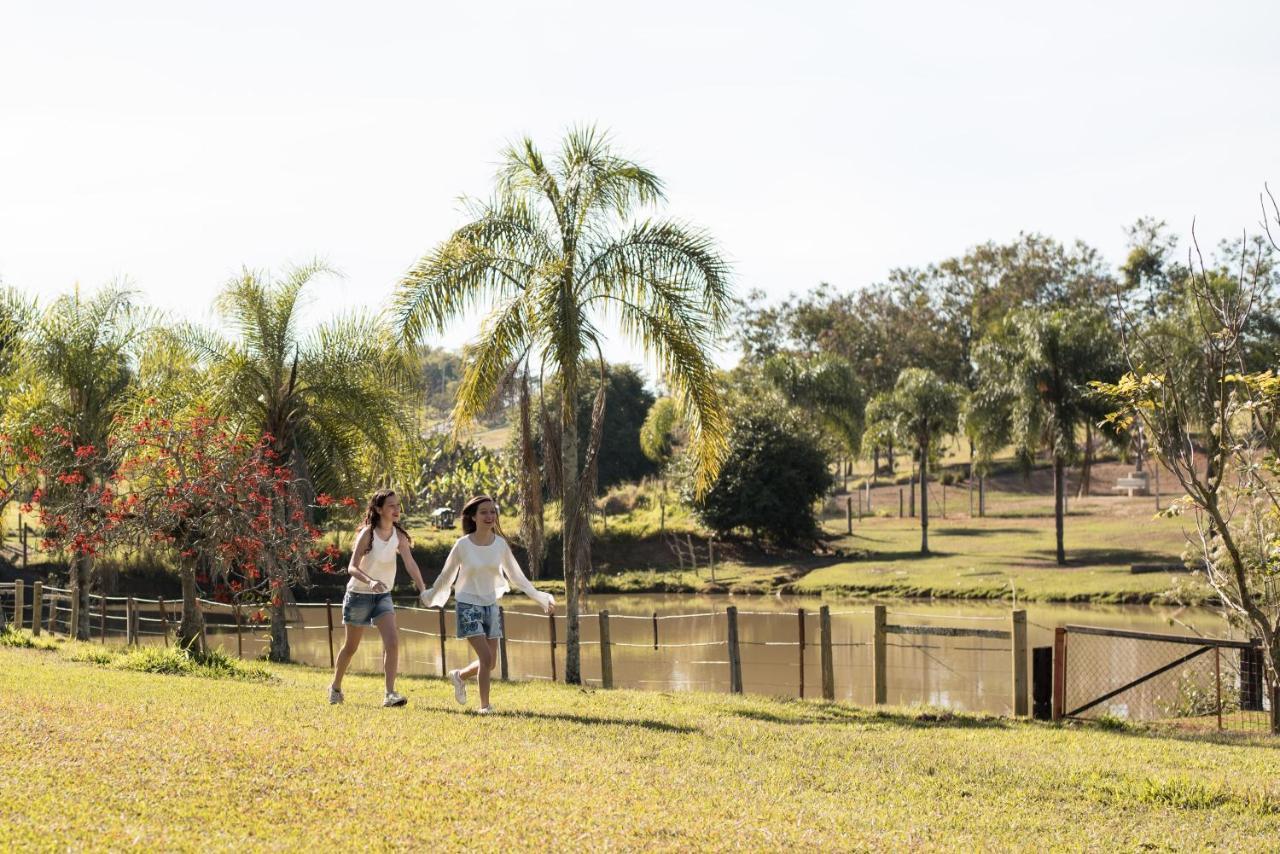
972	674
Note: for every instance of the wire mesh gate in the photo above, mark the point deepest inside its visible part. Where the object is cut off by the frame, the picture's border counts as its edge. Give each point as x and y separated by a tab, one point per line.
1192	682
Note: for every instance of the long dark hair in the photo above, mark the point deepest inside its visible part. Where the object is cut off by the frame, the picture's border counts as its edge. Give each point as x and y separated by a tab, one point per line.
469	515
372	515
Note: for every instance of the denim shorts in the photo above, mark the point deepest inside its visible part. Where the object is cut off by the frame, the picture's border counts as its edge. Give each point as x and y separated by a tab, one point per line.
361	609
476	620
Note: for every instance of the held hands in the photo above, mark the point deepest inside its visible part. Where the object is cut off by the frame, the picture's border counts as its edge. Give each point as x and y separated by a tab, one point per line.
425	598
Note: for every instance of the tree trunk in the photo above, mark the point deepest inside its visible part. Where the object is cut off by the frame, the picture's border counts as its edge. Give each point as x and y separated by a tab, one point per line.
81	568
1086	468
191	629
572	528
279	627
1059	488
532	529
924	497
913	487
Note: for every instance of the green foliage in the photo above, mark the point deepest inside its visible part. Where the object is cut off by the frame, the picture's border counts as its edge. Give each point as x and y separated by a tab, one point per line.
337	401
452	472
23	639
628	403
826	388
178	661
774	473
658	433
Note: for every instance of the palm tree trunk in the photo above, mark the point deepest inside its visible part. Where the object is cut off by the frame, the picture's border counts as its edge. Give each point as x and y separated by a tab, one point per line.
913	486
924	497
1086	468
191	629
1059	488
573	530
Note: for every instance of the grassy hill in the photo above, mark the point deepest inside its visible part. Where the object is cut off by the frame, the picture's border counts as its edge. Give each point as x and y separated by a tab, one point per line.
96	758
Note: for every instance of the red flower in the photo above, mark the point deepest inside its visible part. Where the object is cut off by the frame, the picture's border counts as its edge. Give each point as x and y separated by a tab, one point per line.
348	502
324	500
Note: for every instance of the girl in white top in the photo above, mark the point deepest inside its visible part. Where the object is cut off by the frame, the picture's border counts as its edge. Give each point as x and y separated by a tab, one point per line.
478	570
368	598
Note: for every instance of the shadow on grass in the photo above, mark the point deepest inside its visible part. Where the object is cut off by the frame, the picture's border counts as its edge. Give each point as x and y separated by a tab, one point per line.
982	532
589	720
1078	557
834	713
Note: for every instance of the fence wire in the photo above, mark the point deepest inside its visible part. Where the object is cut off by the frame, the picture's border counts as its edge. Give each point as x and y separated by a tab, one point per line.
1189	686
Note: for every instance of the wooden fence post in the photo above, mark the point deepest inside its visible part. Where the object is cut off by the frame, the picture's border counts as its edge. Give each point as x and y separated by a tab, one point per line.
102	620
37	607
800	616
655	629
444	667
130	625
848	515
551	621
240	636
899	502
828	666
868	484
606	651
164	620
502	644
19	603
1019	636
735	657
879	676
328	618
1059	671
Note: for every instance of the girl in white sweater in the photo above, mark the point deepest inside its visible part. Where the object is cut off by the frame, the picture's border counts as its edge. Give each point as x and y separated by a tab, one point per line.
478	570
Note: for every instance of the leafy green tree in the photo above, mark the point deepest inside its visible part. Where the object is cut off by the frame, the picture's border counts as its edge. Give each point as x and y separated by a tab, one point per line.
336	402
78	362
556	254
1041	361
629	403
775	471
826	387
658	438
921	410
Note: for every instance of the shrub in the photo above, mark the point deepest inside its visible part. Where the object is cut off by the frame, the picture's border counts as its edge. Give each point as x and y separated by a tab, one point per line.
177	661
774	473
23	639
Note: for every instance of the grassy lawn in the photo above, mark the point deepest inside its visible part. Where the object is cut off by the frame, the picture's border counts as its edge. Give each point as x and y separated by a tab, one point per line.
96	758
991	557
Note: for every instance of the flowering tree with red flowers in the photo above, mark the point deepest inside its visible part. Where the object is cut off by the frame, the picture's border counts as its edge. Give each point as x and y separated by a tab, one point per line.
221	502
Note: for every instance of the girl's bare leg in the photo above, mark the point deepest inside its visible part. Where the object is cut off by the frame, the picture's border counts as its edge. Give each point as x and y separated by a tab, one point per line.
486	656
390	648
348	651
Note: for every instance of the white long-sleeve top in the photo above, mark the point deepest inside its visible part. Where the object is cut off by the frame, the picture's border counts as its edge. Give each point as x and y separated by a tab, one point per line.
478	575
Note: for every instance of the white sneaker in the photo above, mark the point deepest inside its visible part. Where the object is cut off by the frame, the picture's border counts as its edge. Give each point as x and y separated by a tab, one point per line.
459	687
484	710
394	699
335	696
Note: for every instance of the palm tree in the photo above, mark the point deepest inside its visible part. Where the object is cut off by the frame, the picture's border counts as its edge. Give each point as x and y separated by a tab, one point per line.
79	361
1041	362
921	409
336	402
555	254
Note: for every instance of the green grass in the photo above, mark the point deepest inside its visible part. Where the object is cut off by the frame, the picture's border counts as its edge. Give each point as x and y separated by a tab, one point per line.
991	557
96	758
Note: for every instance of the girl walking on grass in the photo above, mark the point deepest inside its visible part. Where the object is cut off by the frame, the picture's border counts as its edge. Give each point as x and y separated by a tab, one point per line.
479	570
368	598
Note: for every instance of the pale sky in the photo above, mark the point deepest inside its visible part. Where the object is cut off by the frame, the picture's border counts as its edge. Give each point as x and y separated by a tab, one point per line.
171	143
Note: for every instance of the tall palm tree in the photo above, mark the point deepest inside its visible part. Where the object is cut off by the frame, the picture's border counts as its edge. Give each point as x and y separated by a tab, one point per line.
921	409
78	363
336	401
556	254
1040	363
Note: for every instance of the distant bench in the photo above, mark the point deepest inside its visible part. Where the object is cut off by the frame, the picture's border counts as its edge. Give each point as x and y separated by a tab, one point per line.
1130	484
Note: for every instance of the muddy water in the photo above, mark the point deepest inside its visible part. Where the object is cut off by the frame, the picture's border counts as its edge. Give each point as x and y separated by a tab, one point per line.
960	673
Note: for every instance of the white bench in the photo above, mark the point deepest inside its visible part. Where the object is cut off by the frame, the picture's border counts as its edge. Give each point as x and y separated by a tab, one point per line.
1131	484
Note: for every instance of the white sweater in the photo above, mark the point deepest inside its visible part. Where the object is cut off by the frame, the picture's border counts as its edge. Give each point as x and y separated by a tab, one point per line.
479	575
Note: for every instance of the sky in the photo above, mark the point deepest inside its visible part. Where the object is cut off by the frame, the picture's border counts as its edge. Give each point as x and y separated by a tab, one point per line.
170	144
